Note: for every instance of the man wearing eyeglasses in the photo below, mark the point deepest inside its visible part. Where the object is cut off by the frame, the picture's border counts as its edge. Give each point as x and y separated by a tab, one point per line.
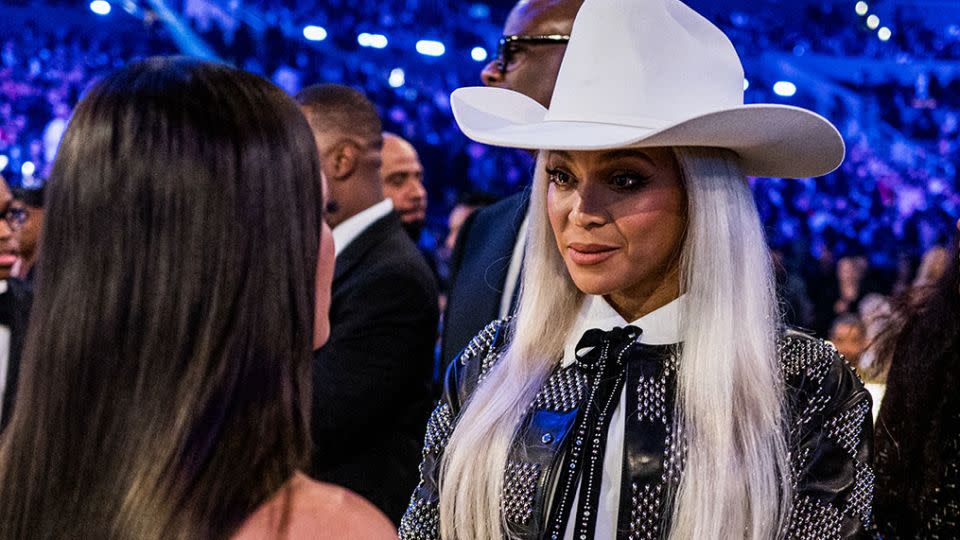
485	265
15	300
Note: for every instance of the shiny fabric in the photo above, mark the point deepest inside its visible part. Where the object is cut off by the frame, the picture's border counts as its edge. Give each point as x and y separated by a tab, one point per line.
830	438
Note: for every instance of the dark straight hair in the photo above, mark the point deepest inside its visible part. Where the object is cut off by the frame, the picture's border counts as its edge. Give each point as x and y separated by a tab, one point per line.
916	427
166	382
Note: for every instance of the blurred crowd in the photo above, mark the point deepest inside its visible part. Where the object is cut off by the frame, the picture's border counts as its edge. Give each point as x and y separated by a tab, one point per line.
888	207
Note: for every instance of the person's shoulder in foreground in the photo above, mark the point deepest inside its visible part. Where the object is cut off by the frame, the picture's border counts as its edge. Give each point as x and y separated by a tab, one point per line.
316	511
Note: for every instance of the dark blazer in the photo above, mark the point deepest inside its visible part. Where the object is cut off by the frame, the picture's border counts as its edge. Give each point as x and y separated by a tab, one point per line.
371	392
15	314
478	272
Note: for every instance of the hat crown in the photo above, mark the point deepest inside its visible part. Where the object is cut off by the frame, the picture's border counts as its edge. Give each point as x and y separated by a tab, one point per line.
667	63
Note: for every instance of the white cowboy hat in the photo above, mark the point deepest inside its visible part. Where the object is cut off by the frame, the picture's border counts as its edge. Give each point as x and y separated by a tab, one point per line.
643	73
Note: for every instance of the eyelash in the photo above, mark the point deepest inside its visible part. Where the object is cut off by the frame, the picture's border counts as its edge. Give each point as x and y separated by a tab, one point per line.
639	180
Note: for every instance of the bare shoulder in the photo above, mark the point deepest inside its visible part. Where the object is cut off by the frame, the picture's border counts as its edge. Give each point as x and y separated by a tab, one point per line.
317	511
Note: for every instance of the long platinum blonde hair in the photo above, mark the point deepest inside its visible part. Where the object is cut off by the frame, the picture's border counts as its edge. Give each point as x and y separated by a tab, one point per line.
736	478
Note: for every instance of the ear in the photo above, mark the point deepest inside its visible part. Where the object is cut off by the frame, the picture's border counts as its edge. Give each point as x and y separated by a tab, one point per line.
343	160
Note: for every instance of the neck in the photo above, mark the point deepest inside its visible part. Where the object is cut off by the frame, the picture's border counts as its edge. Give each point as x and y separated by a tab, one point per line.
355	196
644	298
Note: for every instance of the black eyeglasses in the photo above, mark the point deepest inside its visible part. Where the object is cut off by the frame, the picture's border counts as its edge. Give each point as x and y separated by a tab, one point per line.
15	216
506	44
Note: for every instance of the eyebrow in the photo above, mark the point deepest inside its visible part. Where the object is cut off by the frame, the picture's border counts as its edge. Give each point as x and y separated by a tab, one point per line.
611	154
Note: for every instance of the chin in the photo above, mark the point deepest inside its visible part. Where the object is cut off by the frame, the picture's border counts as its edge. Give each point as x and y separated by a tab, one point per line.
595	285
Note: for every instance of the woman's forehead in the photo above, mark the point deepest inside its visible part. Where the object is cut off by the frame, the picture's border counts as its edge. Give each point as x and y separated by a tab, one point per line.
655	156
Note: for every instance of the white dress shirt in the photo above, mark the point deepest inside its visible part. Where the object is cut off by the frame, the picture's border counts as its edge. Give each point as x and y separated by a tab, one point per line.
661	326
351	228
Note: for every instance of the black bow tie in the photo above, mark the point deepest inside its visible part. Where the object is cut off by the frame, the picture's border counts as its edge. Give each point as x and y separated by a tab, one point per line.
598	345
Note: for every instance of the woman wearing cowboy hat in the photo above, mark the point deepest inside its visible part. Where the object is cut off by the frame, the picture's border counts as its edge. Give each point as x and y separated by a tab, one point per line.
646	386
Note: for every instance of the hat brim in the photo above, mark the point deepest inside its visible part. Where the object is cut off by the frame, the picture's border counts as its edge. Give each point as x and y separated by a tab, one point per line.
778	141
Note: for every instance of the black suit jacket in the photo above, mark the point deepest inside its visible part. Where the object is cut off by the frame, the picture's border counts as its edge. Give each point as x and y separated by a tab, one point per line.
479	268
15	314
372	378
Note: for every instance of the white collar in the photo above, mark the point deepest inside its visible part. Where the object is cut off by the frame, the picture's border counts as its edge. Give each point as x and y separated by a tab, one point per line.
354	226
660	327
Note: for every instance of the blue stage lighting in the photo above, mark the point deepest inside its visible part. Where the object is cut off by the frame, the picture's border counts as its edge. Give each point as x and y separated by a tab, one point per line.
784	88
28	169
429	47
377	41
862	8
873	22
884	34
397	78
4	161
314	33
746	84
479	54
100	7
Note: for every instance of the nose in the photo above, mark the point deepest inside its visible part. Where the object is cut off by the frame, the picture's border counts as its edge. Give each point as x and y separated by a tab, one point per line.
419	192
589	209
491	75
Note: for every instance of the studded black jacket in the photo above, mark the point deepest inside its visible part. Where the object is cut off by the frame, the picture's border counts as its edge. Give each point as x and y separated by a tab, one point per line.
830	438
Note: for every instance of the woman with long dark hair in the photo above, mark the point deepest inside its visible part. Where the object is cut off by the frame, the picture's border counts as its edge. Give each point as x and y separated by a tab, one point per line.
918	428
184	282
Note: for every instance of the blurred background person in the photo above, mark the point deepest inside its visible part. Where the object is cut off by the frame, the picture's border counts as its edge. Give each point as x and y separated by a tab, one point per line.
465	207
15	300
849	336
28	203
932	267
402	175
372	380
918	430
188	256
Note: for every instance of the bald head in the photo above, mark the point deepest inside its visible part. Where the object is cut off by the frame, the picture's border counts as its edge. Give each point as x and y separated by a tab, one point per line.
402	176
532	68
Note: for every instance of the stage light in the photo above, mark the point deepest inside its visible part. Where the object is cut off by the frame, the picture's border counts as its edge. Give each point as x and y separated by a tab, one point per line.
397	78
784	88
28	169
314	33
4	161
479	54
884	34
746	84
378	41
100	7
429	47
862	8
873	22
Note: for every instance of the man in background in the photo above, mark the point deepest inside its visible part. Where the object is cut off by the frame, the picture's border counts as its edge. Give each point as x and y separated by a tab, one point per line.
28	203
486	263
371	379
15	300
402	175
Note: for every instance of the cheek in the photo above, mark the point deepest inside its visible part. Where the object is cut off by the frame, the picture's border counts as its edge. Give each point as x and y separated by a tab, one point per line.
557	212
324	280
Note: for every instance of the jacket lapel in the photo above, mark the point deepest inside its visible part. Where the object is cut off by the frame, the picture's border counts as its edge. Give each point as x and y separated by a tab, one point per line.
374	234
